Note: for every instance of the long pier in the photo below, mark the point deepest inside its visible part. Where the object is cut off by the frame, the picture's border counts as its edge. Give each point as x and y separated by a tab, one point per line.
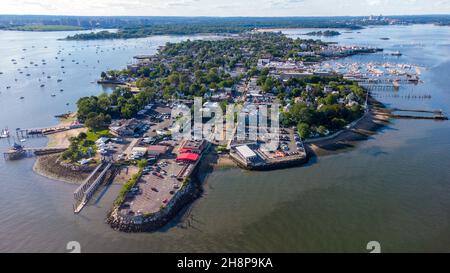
85	191
436	114
26	133
385	81
398	96
28	152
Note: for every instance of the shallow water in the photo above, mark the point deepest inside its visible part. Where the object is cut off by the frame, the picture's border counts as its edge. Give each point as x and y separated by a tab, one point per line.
393	188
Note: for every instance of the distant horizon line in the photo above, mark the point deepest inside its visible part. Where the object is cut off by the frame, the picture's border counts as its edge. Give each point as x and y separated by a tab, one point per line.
236	16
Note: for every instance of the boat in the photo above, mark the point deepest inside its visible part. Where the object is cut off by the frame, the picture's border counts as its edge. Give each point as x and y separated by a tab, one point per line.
413	79
23	140
396	53
42	85
4	133
22	98
396	83
16	152
59	80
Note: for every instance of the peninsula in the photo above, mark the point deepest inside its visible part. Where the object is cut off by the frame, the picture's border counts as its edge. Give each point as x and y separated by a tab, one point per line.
126	137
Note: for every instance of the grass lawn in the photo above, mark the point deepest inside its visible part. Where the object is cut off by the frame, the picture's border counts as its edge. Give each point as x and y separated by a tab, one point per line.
93	136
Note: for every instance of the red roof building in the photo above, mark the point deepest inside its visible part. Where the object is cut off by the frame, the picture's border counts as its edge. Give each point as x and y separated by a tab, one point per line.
190	157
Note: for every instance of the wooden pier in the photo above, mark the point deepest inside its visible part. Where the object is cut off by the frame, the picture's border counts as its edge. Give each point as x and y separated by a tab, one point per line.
16	154
27	133
385	81
435	114
405	96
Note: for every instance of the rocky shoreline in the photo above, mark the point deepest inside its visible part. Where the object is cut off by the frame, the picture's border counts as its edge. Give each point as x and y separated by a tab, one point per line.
129	224
51	167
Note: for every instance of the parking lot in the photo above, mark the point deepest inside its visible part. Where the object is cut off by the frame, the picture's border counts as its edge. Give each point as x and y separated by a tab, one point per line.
155	189
290	145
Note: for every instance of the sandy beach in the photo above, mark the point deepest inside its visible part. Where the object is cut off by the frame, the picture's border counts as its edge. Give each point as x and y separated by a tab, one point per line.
224	161
61	139
49	166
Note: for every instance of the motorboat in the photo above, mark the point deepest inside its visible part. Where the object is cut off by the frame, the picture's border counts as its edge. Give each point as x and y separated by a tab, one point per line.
4	133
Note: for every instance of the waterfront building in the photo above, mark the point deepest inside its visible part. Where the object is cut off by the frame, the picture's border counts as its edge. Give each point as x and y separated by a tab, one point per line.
124	127
193	146
157	150
246	153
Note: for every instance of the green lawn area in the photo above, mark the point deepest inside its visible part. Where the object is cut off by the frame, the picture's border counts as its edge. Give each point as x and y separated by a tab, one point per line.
89	142
80	145
93	136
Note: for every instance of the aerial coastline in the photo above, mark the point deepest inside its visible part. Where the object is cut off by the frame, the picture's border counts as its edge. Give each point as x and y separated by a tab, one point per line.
323	111
298	132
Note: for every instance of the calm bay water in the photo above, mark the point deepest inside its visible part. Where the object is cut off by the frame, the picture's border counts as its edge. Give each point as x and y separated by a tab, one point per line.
393	188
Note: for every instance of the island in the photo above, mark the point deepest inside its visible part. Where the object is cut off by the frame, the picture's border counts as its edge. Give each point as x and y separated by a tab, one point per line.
326	33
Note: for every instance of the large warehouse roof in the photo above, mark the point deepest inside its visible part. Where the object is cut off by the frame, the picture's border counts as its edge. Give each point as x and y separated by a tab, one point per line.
245	151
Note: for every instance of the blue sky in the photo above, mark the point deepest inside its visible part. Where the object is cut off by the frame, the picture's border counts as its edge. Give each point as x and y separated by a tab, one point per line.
225	7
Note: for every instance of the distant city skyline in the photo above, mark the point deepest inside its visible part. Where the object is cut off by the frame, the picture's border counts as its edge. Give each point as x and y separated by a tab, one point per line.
225	8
